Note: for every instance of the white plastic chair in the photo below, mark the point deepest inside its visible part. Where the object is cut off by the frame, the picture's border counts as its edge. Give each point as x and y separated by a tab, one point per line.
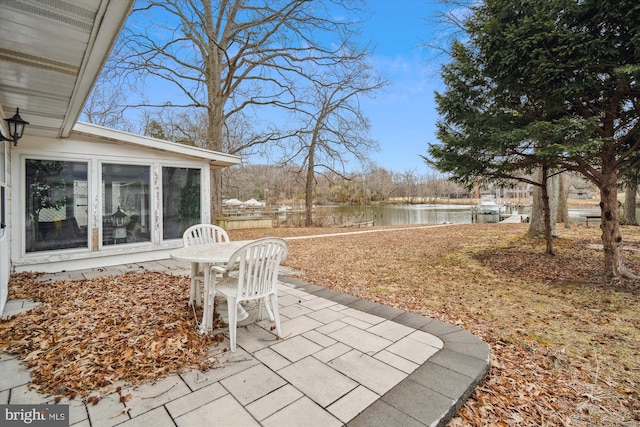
255	267
201	234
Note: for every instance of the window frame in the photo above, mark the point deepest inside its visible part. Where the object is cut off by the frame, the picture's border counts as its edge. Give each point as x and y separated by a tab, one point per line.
81	150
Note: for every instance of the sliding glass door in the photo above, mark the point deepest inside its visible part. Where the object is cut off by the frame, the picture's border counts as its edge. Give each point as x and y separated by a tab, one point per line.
56	208
181	190
125	204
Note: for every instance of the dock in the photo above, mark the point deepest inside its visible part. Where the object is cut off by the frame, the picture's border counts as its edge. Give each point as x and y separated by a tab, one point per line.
513	218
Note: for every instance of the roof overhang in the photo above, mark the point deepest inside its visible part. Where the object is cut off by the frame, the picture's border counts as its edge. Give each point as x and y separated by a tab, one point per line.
51	52
120	137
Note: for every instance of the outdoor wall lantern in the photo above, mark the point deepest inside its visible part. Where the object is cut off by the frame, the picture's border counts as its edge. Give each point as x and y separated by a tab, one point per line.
16	128
120	227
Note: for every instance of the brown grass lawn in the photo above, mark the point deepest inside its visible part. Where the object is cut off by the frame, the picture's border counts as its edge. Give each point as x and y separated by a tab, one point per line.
565	346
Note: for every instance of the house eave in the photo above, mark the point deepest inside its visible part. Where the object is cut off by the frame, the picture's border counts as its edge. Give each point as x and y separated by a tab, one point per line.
109	23
217	158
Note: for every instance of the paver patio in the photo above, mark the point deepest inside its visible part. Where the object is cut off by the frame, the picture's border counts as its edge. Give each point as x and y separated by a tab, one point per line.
342	361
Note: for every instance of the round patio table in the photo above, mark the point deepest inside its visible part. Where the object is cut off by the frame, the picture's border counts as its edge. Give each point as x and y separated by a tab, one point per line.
208	255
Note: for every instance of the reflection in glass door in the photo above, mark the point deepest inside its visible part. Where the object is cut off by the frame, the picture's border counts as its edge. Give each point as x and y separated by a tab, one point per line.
50	195
181	192
125	204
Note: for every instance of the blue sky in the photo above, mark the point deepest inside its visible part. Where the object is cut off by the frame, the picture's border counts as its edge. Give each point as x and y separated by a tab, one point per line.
403	116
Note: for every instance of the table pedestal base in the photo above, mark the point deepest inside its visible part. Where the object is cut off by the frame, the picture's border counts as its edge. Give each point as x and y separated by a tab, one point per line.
223	310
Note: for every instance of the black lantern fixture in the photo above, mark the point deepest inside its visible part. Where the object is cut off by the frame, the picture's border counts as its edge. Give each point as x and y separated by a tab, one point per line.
120	226
16	128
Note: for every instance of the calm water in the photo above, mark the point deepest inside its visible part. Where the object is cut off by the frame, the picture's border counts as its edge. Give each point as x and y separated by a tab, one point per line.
397	214
411	214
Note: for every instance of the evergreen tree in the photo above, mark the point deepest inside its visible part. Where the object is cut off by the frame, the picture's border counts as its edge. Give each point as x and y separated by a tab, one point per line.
551	83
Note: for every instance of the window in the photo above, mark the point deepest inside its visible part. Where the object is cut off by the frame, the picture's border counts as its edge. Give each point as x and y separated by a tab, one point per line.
125	204
56	212
180	200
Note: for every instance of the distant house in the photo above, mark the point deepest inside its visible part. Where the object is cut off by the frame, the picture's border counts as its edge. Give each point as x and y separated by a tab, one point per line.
580	190
520	191
75	195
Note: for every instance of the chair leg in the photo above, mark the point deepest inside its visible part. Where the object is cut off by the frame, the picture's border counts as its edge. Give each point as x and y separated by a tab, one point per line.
276	314
232	309
265	302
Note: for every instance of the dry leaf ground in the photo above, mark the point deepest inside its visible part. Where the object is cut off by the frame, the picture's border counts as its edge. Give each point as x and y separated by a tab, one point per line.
88	335
565	346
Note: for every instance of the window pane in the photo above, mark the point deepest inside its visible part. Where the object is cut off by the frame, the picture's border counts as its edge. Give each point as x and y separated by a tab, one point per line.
180	200
125	204
56	205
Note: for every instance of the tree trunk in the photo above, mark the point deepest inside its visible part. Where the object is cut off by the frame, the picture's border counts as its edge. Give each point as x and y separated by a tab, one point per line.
536	223
215	108
541	224
214	142
563	206
547	210
609	224
630	190
308	191
553	193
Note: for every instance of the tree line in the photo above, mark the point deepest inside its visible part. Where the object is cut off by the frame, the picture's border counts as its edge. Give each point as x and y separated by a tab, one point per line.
278	184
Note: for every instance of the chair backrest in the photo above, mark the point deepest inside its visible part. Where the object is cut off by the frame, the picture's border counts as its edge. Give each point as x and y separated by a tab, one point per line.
202	234
257	264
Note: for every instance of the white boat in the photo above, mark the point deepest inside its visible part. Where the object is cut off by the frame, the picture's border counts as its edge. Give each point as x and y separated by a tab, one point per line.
488	205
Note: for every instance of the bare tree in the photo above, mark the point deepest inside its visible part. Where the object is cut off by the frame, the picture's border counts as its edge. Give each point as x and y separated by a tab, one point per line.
333	128
380	182
410	185
231	58
104	106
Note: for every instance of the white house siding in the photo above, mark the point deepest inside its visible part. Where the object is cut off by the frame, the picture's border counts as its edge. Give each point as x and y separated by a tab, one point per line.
96	151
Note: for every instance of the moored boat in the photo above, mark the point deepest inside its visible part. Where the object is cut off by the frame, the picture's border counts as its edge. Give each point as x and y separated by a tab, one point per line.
488	205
